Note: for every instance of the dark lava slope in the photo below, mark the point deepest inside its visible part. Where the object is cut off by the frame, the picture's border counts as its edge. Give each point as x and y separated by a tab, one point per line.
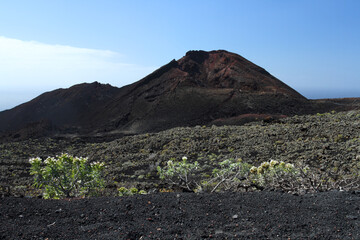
61	108
216	87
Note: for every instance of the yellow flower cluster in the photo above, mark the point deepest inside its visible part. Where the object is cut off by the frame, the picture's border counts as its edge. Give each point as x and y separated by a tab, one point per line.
270	165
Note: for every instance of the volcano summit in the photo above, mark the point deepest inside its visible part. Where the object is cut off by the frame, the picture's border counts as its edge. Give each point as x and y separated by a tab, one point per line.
203	88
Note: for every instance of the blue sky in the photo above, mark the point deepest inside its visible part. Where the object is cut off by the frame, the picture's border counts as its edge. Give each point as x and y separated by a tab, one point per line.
311	45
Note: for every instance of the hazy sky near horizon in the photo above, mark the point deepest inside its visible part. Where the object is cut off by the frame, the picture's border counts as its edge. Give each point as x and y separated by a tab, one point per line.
313	46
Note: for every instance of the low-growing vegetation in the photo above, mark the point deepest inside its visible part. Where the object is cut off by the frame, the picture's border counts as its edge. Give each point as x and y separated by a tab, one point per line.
328	145
66	176
123	191
236	175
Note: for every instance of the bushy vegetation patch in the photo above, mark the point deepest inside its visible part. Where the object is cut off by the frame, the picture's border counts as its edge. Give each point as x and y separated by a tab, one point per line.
66	176
236	175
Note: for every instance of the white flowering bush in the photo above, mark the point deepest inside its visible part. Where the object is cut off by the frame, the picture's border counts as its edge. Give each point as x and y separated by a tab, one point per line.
66	176
180	173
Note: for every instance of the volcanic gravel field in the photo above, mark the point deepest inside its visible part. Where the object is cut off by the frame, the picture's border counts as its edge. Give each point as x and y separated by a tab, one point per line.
252	215
324	141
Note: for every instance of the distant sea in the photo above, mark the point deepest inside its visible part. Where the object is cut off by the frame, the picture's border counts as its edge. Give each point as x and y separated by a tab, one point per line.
316	94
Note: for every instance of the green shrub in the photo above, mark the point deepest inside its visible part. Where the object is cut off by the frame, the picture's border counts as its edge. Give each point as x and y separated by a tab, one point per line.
276	175
123	191
187	175
66	176
230	174
180	173
300	179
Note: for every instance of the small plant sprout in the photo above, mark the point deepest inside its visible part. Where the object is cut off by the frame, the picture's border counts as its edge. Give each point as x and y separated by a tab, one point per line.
123	191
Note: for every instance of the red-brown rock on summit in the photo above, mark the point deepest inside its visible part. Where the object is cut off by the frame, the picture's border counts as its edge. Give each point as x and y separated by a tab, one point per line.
216	87
222	69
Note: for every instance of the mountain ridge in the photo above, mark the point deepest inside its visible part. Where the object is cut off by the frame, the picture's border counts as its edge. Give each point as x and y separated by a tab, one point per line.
201	88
